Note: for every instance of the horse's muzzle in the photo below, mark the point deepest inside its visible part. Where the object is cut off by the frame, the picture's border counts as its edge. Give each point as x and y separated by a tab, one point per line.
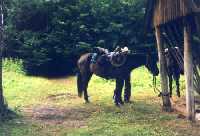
156	73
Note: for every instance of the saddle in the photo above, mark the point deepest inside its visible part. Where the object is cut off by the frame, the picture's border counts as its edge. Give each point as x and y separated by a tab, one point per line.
117	58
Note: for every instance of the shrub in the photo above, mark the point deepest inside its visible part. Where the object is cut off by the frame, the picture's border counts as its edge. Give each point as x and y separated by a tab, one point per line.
13	65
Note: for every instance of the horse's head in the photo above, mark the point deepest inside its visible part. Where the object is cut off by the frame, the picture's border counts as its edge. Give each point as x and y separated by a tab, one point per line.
151	64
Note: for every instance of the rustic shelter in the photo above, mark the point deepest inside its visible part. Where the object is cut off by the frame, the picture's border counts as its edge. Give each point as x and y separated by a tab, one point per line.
175	22
161	12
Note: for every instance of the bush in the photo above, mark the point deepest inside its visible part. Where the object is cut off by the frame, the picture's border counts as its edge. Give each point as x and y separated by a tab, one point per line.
13	65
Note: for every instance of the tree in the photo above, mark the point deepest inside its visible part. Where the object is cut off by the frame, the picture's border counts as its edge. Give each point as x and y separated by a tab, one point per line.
2	103
49	35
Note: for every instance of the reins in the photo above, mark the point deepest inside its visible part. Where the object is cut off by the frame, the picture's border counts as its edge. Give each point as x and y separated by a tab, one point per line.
155	89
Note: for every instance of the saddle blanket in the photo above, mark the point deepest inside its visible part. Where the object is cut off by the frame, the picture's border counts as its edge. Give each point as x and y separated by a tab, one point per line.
94	58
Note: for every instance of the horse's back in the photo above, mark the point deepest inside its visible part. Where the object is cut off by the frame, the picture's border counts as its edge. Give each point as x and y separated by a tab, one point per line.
83	58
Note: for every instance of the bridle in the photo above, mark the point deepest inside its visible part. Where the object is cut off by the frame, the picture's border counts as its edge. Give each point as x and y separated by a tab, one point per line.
156	90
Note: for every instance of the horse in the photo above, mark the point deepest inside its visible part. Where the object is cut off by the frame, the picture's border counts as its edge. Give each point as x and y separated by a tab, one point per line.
103	68
174	64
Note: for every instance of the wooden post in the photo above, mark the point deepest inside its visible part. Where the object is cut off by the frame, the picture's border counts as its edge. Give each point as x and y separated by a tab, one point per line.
163	72
2	103
188	68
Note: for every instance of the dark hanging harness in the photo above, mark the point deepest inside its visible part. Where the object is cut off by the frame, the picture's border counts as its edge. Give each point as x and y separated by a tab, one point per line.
158	91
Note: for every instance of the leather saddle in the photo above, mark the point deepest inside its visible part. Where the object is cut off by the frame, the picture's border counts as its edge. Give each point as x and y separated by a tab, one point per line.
117	58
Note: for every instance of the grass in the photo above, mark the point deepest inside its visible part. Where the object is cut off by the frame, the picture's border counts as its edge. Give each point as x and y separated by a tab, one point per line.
50	107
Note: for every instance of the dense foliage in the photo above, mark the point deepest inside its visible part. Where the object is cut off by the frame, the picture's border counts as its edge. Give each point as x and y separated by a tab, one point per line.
49	35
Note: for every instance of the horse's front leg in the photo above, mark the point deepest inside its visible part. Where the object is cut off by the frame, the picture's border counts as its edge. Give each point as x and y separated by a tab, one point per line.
177	86
118	92
127	90
170	85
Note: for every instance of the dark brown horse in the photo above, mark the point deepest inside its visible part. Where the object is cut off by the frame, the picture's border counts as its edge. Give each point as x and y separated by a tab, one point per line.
174	59
108	71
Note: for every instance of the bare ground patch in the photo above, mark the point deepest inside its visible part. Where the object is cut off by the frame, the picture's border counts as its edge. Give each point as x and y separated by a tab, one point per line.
54	97
69	117
179	105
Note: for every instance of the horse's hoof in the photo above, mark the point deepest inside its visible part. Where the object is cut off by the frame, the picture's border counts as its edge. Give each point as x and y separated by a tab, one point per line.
122	103
118	105
80	95
87	101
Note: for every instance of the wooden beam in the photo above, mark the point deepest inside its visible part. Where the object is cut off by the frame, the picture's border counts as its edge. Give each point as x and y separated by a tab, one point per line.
163	72
188	68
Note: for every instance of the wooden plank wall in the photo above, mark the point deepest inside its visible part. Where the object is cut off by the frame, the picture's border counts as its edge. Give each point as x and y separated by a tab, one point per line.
168	10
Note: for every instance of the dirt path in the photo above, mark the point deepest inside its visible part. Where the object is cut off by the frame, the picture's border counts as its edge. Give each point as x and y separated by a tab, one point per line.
68	116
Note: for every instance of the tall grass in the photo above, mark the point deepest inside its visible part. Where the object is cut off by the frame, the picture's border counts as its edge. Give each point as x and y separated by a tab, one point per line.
13	65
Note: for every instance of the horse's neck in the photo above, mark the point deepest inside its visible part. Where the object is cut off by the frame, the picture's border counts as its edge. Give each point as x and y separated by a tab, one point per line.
136	60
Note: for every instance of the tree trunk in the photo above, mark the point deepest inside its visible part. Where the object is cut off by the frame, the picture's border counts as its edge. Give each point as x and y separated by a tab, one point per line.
163	72
188	67
2	104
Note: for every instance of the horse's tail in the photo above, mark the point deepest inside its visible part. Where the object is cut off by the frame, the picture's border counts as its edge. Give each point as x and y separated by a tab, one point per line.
79	84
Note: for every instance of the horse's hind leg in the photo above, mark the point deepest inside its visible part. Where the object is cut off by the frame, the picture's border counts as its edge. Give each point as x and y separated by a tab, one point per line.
127	90
177	86
86	80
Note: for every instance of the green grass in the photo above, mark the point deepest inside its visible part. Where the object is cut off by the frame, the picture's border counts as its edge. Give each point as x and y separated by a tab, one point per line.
143	117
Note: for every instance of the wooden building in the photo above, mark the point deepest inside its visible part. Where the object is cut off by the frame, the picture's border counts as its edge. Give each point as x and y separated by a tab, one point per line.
175	22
